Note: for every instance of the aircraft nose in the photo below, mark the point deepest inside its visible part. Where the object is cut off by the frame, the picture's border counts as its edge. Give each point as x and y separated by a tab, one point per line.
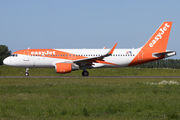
5	61
9	61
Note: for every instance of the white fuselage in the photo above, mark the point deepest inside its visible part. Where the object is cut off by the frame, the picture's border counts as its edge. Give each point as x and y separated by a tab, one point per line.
120	57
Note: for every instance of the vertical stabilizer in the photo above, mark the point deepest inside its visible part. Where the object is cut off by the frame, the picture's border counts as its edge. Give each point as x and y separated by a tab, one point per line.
159	39
156	44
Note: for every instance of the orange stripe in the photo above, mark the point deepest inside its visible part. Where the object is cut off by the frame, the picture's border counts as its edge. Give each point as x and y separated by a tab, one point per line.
104	62
50	53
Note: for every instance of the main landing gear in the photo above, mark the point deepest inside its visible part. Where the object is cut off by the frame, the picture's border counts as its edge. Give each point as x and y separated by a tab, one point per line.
85	73
27	73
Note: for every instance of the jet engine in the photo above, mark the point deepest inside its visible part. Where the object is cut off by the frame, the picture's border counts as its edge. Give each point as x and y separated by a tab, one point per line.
65	67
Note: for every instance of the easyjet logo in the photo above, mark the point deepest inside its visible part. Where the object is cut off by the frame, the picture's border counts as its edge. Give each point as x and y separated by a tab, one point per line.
159	35
43	52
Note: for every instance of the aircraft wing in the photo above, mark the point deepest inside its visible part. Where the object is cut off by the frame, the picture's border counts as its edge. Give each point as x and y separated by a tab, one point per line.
93	59
90	60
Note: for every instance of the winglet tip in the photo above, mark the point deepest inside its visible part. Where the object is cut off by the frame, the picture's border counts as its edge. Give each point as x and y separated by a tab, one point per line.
112	50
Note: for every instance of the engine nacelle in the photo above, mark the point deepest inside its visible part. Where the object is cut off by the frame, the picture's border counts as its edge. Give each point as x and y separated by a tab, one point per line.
65	67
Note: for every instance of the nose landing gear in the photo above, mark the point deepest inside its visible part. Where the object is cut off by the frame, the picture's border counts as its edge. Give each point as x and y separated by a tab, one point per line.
27	73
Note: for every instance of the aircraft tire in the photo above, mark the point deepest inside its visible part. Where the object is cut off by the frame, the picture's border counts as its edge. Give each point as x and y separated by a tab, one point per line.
26	74
85	73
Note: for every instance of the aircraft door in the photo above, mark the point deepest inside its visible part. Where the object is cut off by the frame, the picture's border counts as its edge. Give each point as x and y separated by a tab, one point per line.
26	56
140	55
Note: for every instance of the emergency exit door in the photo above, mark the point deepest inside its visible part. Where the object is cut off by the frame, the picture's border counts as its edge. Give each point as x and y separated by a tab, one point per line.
140	55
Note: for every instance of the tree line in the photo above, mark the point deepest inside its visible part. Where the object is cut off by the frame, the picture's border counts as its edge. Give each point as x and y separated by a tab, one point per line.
163	63
4	52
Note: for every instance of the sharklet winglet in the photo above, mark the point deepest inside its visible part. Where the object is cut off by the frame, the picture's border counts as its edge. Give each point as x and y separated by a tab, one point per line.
112	49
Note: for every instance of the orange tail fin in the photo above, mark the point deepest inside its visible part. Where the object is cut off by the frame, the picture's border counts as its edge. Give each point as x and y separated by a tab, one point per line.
156	44
159	40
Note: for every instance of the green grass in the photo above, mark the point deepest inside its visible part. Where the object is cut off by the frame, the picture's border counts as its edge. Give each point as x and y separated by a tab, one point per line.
88	98
13	71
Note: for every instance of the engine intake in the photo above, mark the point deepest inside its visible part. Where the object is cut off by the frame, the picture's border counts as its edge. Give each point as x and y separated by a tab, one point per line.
65	67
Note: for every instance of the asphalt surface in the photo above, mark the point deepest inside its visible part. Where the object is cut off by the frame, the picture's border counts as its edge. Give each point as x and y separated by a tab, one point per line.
90	77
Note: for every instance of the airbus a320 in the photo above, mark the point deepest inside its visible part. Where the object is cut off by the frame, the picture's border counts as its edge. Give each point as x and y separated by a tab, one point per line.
68	60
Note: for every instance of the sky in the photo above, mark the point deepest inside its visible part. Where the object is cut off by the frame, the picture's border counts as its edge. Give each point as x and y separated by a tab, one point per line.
64	24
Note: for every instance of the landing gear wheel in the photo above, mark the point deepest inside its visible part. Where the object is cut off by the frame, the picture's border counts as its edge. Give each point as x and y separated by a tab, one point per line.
26	74
85	73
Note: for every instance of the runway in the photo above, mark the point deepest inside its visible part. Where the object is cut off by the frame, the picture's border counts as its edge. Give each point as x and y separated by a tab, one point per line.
90	77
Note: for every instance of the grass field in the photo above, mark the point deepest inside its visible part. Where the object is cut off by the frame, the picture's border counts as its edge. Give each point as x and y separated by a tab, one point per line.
13	71
89	98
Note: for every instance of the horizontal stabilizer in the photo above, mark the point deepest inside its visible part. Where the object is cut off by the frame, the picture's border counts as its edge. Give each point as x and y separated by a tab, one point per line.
167	54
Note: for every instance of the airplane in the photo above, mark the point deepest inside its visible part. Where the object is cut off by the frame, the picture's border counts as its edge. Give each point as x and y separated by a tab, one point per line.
67	60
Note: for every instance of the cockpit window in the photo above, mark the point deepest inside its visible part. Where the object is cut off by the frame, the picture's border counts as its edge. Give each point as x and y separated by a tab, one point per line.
14	55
